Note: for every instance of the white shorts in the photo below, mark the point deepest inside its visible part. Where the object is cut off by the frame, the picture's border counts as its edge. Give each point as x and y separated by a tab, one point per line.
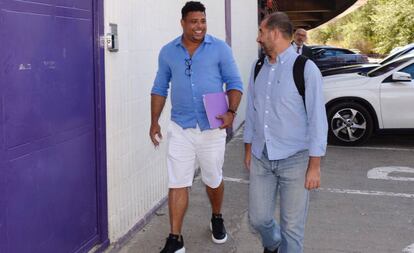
190	148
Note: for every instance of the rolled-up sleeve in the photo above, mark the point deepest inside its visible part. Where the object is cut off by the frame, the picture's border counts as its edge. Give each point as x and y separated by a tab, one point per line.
316	112
229	70
249	121
163	77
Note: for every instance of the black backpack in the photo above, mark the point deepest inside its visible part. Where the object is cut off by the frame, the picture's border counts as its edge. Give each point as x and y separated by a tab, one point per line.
298	73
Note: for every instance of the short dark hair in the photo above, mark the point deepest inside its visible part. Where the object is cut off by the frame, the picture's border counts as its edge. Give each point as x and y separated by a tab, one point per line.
280	21
192	6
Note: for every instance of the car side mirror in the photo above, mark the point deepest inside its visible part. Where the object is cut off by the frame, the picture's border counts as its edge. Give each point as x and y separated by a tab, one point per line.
319	53
401	77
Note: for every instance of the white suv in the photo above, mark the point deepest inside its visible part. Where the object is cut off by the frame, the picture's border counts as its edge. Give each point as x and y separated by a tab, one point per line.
359	104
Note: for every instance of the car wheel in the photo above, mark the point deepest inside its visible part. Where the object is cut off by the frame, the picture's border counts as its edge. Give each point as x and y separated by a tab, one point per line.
349	124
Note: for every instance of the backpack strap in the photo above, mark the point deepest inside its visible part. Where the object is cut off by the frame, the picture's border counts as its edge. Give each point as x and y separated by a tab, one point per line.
299	75
258	66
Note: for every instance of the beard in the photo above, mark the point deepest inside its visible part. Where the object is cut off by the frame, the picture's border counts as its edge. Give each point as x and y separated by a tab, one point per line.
300	43
266	49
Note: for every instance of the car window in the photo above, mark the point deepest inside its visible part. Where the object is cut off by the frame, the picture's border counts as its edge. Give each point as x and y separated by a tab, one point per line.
388	67
396	54
409	70
390	57
342	52
318	52
329	52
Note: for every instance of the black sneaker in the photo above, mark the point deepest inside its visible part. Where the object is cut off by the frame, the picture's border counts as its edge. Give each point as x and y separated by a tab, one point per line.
270	251
218	230
174	244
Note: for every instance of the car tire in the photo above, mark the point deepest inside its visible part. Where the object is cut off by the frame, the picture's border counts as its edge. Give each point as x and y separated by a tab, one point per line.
349	124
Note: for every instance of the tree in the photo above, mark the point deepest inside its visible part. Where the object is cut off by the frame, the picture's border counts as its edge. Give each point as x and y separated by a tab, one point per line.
394	24
376	27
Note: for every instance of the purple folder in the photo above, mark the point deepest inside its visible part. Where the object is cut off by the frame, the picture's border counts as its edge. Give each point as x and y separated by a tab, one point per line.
215	104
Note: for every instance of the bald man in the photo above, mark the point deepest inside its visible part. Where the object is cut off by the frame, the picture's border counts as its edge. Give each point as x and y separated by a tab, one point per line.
299	38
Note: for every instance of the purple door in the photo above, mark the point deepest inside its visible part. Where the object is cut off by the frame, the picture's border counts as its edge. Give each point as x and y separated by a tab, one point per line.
48	157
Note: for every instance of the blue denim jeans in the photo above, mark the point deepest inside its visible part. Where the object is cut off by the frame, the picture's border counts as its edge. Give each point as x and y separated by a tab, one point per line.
286	176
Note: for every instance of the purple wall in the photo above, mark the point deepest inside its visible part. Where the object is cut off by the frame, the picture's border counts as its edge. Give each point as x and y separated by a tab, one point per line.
49	150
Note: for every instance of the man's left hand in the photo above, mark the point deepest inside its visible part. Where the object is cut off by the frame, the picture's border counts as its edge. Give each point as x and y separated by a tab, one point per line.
227	118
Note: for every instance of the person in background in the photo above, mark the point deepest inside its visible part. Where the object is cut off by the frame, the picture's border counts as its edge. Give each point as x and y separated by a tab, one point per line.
300	36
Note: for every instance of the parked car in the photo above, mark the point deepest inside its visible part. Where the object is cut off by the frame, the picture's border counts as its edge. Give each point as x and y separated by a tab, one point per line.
359	104
327	57
395	53
357	68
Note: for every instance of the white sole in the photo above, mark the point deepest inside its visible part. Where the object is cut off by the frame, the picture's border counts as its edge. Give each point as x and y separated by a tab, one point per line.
217	241
182	250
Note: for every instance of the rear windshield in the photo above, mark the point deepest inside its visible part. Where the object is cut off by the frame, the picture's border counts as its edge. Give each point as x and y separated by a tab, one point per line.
396	54
388	67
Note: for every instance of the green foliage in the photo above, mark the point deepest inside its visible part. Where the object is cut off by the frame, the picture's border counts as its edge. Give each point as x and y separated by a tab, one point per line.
376	27
394	24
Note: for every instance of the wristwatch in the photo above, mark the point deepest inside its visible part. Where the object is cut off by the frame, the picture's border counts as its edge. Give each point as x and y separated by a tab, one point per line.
232	111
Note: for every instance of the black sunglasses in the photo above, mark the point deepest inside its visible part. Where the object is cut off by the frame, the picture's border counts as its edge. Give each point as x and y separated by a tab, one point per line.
188	63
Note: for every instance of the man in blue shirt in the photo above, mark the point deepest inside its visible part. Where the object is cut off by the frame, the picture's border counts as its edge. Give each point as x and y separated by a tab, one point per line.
285	137
194	64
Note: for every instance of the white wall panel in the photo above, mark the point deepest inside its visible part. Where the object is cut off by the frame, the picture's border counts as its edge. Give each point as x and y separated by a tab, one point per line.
245	48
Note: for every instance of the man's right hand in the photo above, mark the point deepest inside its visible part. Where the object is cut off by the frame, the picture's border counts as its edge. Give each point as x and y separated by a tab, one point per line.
247	155
155	130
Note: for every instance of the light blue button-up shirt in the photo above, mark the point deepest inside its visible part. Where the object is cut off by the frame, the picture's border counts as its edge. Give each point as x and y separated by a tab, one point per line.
276	116
212	64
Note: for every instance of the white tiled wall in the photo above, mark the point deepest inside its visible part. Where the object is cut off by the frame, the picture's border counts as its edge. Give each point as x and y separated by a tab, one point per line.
244	33
137	178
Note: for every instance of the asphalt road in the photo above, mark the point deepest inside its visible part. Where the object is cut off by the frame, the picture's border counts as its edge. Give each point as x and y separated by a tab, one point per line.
356	211
351	213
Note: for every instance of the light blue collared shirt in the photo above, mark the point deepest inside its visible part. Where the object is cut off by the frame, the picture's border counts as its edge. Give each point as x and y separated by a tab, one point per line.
276	116
212	64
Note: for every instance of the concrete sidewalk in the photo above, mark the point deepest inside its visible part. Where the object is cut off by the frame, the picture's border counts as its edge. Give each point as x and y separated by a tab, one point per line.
197	236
